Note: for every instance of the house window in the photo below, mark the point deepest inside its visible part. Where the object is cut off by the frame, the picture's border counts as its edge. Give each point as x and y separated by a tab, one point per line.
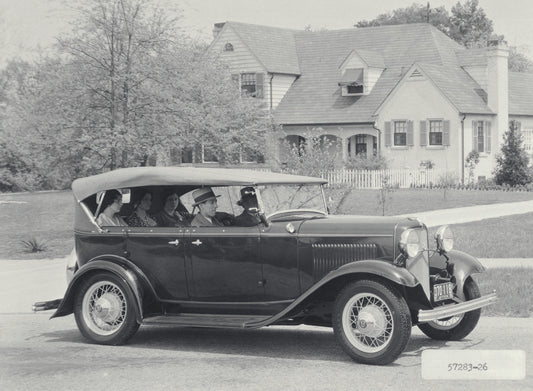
360	144
228	47
435	132
354	89
482	137
252	84
208	155
400	133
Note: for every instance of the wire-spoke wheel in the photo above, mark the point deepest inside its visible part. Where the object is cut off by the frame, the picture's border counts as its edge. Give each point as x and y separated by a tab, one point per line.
104	312
459	326
372	322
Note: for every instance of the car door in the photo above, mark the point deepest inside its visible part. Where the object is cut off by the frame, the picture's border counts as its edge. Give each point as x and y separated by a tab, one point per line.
225	266
160	253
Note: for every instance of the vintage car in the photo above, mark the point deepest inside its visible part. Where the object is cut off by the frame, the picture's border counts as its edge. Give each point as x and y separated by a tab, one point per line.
370	278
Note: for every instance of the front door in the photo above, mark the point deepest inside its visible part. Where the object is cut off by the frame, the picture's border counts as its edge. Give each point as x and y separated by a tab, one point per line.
225	266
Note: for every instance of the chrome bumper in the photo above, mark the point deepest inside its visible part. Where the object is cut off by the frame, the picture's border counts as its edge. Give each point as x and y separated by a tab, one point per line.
448	310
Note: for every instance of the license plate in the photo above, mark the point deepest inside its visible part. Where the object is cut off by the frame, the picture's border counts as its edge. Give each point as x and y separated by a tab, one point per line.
442	291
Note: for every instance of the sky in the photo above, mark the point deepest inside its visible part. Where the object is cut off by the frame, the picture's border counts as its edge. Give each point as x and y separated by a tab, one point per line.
28	24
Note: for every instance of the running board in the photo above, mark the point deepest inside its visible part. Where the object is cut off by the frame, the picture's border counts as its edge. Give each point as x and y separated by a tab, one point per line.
207	320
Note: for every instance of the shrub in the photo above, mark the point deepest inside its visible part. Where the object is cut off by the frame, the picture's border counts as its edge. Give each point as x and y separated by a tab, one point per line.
34	245
512	164
364	162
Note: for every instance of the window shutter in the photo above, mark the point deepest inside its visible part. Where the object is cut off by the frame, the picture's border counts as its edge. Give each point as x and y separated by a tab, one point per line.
423	134
259	85
474	136
487	136
410	141
235	79
446	133
388	134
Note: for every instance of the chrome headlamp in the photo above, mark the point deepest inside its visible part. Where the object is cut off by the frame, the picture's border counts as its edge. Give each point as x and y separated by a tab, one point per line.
444	239
410	244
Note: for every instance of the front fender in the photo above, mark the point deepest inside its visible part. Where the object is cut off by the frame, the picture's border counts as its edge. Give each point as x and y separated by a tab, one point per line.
464	266
383	269
112	264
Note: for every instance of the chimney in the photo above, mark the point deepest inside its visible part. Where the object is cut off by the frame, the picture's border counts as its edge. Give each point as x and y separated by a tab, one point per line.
217	28
498	89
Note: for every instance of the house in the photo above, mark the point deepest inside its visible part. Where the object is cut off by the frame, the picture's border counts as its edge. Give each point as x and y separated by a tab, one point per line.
406	92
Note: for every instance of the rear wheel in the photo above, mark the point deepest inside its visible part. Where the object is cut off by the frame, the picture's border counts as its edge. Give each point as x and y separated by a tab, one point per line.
372	322
104	312
459	326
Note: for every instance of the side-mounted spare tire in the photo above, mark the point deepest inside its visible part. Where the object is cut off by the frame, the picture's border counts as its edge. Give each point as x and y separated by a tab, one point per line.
105	310
372	322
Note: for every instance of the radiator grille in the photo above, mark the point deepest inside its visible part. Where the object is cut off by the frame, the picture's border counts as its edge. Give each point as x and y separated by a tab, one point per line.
327	257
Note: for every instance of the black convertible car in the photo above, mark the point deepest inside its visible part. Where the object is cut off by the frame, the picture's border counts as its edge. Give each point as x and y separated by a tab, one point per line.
370	278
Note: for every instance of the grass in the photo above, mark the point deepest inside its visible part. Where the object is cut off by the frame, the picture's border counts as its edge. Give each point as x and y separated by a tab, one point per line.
512	286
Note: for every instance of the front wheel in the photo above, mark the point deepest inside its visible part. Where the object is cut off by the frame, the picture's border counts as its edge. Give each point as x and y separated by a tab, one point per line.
104	312
372	322
456	327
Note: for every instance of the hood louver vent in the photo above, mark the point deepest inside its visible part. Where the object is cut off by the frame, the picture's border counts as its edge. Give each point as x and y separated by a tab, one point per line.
327	257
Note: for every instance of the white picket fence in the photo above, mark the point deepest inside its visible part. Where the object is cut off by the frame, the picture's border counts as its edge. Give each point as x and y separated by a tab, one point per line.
375	179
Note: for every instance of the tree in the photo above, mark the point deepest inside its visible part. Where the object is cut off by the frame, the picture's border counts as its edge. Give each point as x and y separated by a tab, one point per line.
469	25
512	163
126	87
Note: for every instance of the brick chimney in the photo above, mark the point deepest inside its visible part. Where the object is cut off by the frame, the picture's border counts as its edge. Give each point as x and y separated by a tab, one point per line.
217	28
498	89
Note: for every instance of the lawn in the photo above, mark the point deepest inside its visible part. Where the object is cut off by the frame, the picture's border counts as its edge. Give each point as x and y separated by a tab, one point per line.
48	216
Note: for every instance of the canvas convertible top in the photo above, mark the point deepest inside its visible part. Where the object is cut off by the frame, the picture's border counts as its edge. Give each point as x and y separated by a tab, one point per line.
154	176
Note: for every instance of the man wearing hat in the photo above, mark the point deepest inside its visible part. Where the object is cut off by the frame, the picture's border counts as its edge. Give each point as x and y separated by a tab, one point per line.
250	216
206	201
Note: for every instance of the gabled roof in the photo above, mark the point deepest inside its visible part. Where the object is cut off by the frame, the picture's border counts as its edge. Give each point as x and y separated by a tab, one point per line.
520	93
460	89
315	96
274	47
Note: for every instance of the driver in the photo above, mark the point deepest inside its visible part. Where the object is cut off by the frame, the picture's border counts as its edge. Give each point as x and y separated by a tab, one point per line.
206	201
250	216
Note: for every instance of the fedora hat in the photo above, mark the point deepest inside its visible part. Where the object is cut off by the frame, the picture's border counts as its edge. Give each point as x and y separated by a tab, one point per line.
203	194
246	193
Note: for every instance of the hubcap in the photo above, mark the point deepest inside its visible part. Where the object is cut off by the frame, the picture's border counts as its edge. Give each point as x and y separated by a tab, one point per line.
104	308
367	322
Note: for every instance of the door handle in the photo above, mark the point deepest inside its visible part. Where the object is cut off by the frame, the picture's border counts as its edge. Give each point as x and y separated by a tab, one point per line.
175	242
197	242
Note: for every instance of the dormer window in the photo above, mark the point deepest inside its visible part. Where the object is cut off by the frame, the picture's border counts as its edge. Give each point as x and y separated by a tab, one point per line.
228	47
352	82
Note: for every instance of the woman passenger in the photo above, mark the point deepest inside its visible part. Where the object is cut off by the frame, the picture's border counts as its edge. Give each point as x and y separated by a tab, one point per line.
169	215
140	216
110	208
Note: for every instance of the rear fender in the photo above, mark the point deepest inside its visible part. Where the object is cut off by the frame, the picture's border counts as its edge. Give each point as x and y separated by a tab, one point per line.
118	266
464	266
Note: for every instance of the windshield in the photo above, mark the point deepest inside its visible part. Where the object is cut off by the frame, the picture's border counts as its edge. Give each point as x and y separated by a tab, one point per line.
277	198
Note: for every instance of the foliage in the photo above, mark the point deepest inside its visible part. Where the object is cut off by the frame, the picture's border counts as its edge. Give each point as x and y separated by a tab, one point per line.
364	162
126	88
471	161
467	24
315	155
447	181
512	163
385	194
427	164
34	245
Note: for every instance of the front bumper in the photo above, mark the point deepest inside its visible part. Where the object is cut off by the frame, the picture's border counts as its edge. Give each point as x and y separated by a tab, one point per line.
448	310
